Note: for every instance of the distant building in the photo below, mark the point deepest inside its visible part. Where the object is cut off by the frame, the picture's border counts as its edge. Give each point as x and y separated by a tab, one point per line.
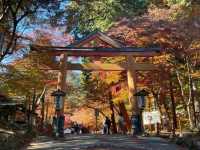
11	111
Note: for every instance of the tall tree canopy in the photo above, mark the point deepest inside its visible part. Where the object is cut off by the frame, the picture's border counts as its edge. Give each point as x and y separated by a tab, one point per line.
18	15
84	16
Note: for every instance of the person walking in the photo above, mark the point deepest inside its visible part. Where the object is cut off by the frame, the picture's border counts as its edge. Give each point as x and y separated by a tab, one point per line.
76	128
55	126
108	123
134	122
106	126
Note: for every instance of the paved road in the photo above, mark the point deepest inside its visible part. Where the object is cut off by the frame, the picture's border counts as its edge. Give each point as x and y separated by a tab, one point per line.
102	142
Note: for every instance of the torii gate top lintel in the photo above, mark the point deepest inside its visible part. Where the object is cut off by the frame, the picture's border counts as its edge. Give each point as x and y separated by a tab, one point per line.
115	48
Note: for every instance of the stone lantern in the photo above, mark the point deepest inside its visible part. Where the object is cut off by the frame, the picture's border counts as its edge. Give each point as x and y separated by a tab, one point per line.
59	119
137	118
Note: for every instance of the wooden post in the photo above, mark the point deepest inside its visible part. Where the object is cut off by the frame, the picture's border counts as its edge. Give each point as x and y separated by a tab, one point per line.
131	78
62	76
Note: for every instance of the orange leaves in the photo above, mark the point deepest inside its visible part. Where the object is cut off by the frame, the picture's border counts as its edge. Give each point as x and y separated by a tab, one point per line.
51	36
155	27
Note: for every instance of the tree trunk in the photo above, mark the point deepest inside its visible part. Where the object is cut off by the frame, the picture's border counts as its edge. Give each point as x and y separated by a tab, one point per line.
42	101
174	125
181	89
28	108
32	112
125	115
167	111
182	99
183	95
47	111
173	106
190	87
189	116
42	112
158	106
114	126
193	103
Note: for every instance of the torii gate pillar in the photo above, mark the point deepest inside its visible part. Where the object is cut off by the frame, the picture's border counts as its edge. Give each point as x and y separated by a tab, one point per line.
62	77
132	88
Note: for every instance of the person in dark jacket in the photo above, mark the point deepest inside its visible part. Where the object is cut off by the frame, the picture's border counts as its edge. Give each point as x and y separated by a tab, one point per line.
107	125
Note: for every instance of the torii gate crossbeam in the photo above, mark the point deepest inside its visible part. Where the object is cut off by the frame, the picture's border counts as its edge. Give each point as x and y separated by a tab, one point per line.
104	67
98	51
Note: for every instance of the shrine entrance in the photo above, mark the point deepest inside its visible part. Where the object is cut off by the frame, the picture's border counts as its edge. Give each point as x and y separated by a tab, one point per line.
102	46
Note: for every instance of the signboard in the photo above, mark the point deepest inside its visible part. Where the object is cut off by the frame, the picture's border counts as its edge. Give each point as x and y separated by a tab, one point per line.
151	117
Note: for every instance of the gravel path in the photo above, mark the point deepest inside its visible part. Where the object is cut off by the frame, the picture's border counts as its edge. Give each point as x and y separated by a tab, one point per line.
102	142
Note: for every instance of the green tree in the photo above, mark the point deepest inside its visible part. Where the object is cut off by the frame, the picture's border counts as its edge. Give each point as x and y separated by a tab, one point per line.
84	16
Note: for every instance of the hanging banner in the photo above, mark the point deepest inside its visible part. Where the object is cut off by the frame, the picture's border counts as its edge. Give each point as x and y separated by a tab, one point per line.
151	117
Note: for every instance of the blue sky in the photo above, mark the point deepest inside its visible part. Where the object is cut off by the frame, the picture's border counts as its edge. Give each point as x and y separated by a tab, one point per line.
29	30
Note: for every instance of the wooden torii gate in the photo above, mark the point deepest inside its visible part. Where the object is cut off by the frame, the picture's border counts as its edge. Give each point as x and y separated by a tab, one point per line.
114	49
